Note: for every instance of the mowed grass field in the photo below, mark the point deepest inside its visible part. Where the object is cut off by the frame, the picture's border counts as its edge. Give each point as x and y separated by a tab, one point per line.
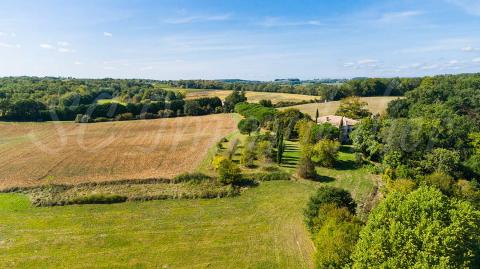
53	152
375	105
262	228
253	97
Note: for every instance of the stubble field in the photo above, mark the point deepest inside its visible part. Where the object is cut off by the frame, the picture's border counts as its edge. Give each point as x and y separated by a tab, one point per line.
253	97
41	153
375	105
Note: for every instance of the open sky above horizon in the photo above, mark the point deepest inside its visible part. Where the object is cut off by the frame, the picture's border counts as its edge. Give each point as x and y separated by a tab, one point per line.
247	39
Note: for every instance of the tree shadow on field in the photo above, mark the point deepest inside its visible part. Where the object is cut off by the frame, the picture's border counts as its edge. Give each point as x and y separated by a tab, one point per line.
346	165
246	182
323	179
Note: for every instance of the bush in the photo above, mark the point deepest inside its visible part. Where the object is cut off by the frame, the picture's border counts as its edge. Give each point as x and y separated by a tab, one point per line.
327	195
265	151
229	173
102	119
217	160
306	168
336	238
271	176
325	152
441	181
83	118
402	185
248	153
98	199
148	116
124	117
192	177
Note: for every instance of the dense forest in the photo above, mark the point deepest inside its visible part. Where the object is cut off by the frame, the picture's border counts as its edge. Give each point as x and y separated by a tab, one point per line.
427	151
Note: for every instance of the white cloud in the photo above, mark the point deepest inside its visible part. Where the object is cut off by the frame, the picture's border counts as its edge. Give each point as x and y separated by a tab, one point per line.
470	49
278	22
476	60
193	19
46	46
11	34
63	43
9	46
469	6
65	50
397	16
77	63
146	68
107	34
367	61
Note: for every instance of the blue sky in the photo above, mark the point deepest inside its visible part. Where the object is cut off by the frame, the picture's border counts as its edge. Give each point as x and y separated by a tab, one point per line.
214	39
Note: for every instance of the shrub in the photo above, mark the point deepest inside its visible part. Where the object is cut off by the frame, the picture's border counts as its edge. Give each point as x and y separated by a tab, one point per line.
191	177
271	176
217	160
336	238
148	116
266	103
124	117
265	151
401	185
441	181
325	152
232	149
102	119
80	118
306	168
98	199
327	195
248	153
229	173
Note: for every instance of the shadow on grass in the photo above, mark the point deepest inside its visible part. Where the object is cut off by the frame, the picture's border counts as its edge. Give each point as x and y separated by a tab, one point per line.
290	161
346	165
246	182
321	178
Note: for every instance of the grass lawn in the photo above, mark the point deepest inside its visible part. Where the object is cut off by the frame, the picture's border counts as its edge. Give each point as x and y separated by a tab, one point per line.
262	228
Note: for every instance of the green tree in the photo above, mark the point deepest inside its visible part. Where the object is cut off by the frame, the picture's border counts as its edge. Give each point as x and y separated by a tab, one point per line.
234	98
229	172
336	239
325	152
248	153
326	195
265	150
422	229
354	108
249	125
442	160
266	103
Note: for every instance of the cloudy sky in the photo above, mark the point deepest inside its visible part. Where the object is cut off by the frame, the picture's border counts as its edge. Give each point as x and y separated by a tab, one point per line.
249	39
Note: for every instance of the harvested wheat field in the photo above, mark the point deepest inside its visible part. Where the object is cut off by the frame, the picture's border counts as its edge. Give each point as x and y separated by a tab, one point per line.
41	153
375	105
254	97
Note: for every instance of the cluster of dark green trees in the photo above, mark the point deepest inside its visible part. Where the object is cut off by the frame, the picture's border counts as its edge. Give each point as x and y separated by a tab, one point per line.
434	130
43	99
427	148
421	228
